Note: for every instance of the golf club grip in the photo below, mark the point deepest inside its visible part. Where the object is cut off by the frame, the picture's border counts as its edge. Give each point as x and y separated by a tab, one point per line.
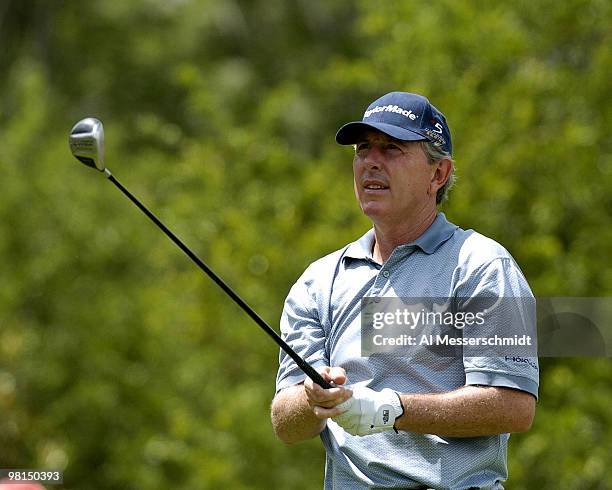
303	365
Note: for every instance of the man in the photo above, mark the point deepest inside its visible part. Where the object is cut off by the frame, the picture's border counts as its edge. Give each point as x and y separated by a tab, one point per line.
419	420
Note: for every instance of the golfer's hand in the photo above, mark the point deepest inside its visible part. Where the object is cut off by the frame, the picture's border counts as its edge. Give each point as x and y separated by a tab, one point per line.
368	411
324	402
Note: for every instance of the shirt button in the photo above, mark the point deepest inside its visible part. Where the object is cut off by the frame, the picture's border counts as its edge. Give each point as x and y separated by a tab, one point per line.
385	273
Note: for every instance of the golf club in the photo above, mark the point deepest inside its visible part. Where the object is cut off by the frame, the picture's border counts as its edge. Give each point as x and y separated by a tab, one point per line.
87	145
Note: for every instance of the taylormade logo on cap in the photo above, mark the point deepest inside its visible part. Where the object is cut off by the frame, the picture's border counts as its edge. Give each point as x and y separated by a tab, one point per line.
390	108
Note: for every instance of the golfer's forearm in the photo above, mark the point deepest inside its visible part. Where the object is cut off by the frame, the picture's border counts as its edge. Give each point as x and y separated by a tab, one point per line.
292	418
467	412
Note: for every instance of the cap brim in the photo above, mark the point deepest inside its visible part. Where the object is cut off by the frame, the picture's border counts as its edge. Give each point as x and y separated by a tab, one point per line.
350	133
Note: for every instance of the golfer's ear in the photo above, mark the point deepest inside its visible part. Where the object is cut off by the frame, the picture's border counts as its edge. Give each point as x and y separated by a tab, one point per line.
442	172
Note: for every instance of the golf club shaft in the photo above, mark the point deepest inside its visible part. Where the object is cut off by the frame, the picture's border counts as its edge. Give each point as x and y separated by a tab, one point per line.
304	366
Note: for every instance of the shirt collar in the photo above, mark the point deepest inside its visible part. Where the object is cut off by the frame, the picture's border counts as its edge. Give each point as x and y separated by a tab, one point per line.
434	236
431	239
362	248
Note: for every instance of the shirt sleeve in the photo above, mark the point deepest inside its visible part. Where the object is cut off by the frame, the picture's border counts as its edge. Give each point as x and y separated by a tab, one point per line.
499	295
301	328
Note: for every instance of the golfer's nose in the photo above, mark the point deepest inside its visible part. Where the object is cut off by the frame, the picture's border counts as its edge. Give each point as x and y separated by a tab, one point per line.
374	157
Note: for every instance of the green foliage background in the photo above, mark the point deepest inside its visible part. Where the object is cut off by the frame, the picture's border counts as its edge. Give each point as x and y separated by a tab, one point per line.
126	367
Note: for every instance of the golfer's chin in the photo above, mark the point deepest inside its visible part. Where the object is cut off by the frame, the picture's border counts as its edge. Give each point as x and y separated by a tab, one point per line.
375	210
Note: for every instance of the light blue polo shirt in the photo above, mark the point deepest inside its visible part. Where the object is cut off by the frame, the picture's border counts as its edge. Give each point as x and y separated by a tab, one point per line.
321	322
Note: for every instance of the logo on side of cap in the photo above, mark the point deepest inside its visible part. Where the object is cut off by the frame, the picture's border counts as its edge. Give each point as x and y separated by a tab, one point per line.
435	134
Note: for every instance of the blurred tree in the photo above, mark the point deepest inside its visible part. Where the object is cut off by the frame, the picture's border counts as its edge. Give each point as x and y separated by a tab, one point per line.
120	362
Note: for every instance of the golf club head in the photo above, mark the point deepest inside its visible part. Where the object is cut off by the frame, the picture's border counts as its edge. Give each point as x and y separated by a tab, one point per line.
87	142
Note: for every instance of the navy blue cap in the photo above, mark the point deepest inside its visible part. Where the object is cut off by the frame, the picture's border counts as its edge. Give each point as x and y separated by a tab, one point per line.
401	115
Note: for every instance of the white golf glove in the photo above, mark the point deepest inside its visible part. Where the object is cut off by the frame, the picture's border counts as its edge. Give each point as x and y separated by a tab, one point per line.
369	411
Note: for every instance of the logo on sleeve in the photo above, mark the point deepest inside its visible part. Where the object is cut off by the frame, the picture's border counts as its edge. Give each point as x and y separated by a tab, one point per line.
522	360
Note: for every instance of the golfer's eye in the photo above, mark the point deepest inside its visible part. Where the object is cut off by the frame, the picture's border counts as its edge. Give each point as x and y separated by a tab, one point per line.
362	148
391	149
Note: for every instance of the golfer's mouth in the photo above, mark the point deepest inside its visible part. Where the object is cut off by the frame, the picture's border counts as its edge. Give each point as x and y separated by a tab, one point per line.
375	186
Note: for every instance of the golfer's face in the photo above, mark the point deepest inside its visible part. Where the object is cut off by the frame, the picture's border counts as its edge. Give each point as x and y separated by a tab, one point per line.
392	177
